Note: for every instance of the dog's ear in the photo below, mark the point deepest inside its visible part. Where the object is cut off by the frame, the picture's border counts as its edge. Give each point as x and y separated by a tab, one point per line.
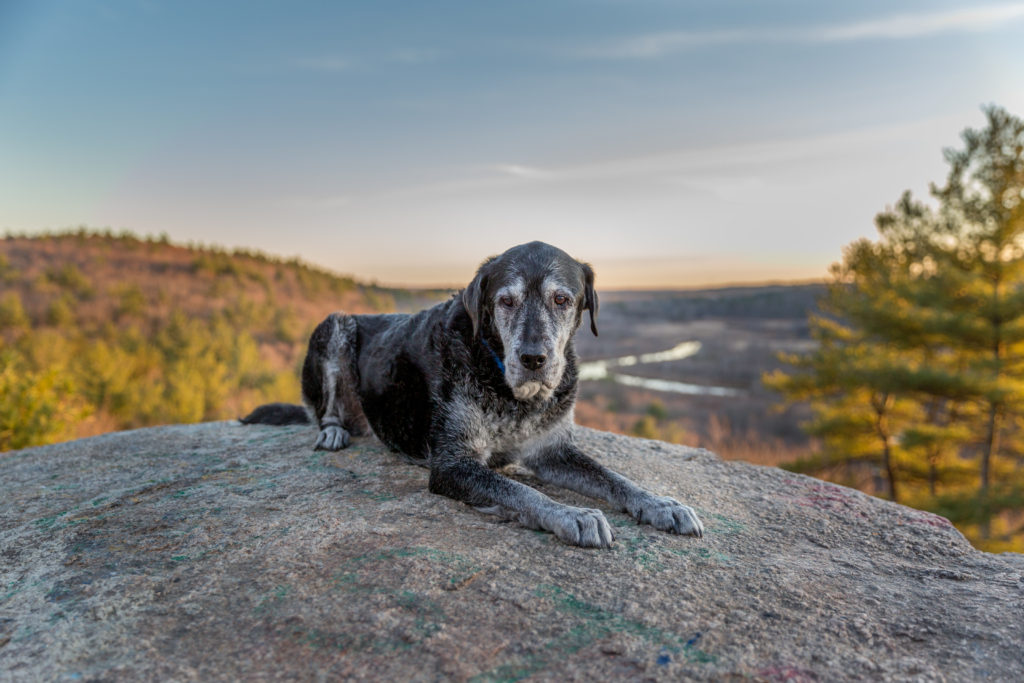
473	299
590	296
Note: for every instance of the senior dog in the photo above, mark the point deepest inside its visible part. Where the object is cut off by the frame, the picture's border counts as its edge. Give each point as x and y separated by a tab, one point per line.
485	379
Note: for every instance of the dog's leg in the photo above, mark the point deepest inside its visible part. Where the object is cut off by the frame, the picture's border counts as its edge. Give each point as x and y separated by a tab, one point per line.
329	382
563	464
465	478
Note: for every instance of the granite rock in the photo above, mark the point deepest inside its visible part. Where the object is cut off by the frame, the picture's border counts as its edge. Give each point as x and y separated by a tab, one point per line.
225	552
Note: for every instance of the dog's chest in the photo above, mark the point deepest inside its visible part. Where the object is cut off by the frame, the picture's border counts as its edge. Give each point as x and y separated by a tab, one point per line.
488	430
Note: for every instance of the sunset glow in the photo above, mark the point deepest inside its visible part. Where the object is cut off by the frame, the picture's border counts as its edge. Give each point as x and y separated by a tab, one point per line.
670	144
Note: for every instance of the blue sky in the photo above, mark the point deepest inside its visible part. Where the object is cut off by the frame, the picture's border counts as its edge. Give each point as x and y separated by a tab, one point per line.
668	143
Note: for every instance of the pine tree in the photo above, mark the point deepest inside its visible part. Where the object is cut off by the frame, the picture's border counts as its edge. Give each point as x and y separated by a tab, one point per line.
920	365
860	379
981	245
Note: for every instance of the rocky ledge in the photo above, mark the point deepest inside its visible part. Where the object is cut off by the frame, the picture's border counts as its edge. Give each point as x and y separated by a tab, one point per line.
223	552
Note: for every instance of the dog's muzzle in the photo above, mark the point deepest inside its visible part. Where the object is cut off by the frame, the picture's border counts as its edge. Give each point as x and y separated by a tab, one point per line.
532	372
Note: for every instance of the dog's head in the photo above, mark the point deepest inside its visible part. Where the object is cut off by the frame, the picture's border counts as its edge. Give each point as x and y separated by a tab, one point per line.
532	299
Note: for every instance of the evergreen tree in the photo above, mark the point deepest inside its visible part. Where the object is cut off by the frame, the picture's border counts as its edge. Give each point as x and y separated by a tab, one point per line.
981	250
920	366
858	379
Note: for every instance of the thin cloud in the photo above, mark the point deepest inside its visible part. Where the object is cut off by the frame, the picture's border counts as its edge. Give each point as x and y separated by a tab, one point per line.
659	44
728	171
895	27
914	25
526	172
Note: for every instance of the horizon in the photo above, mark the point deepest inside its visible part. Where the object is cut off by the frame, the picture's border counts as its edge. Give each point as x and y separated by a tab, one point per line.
673	146
241	250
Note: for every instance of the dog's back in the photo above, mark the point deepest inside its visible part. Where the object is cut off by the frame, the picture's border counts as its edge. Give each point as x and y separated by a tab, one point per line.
400	368
277	414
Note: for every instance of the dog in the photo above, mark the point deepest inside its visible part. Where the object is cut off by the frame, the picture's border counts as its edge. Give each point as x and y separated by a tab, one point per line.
485	379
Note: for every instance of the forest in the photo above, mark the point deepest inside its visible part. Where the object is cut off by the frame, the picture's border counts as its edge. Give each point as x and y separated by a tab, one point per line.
103	331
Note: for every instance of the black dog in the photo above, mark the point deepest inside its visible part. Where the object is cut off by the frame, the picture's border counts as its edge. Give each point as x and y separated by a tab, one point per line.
485	379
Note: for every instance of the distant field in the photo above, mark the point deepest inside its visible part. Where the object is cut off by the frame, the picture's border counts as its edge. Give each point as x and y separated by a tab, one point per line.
740	330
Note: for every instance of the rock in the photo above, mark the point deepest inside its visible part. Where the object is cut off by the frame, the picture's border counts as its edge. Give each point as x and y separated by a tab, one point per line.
224	552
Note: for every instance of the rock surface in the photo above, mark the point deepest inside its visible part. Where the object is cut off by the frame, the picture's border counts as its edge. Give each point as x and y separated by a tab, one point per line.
223	552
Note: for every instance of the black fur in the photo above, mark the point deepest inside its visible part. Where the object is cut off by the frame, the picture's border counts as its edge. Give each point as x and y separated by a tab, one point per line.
277	414
459	388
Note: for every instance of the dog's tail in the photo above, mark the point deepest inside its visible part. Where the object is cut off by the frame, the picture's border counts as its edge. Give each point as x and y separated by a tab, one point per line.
277	414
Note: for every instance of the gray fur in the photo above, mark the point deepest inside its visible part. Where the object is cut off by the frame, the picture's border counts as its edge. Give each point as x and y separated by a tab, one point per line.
483	380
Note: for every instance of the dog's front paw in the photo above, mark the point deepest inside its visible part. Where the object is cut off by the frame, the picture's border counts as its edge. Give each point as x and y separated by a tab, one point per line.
668	514
584	527
332	438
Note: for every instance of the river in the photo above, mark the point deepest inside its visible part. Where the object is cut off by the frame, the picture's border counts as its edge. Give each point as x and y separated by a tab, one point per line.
608	369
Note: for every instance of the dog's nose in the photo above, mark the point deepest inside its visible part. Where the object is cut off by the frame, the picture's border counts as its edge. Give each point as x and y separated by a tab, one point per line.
532	361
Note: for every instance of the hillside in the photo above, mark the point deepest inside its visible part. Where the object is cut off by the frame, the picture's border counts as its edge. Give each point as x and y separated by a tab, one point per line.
106	331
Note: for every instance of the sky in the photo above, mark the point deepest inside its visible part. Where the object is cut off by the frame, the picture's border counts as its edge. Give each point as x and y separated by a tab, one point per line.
668	143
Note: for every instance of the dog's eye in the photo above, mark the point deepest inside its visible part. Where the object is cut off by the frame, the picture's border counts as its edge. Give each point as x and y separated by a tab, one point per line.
507	301
561	299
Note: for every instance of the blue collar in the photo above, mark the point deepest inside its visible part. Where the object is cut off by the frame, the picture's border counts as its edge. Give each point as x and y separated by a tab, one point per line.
495	356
